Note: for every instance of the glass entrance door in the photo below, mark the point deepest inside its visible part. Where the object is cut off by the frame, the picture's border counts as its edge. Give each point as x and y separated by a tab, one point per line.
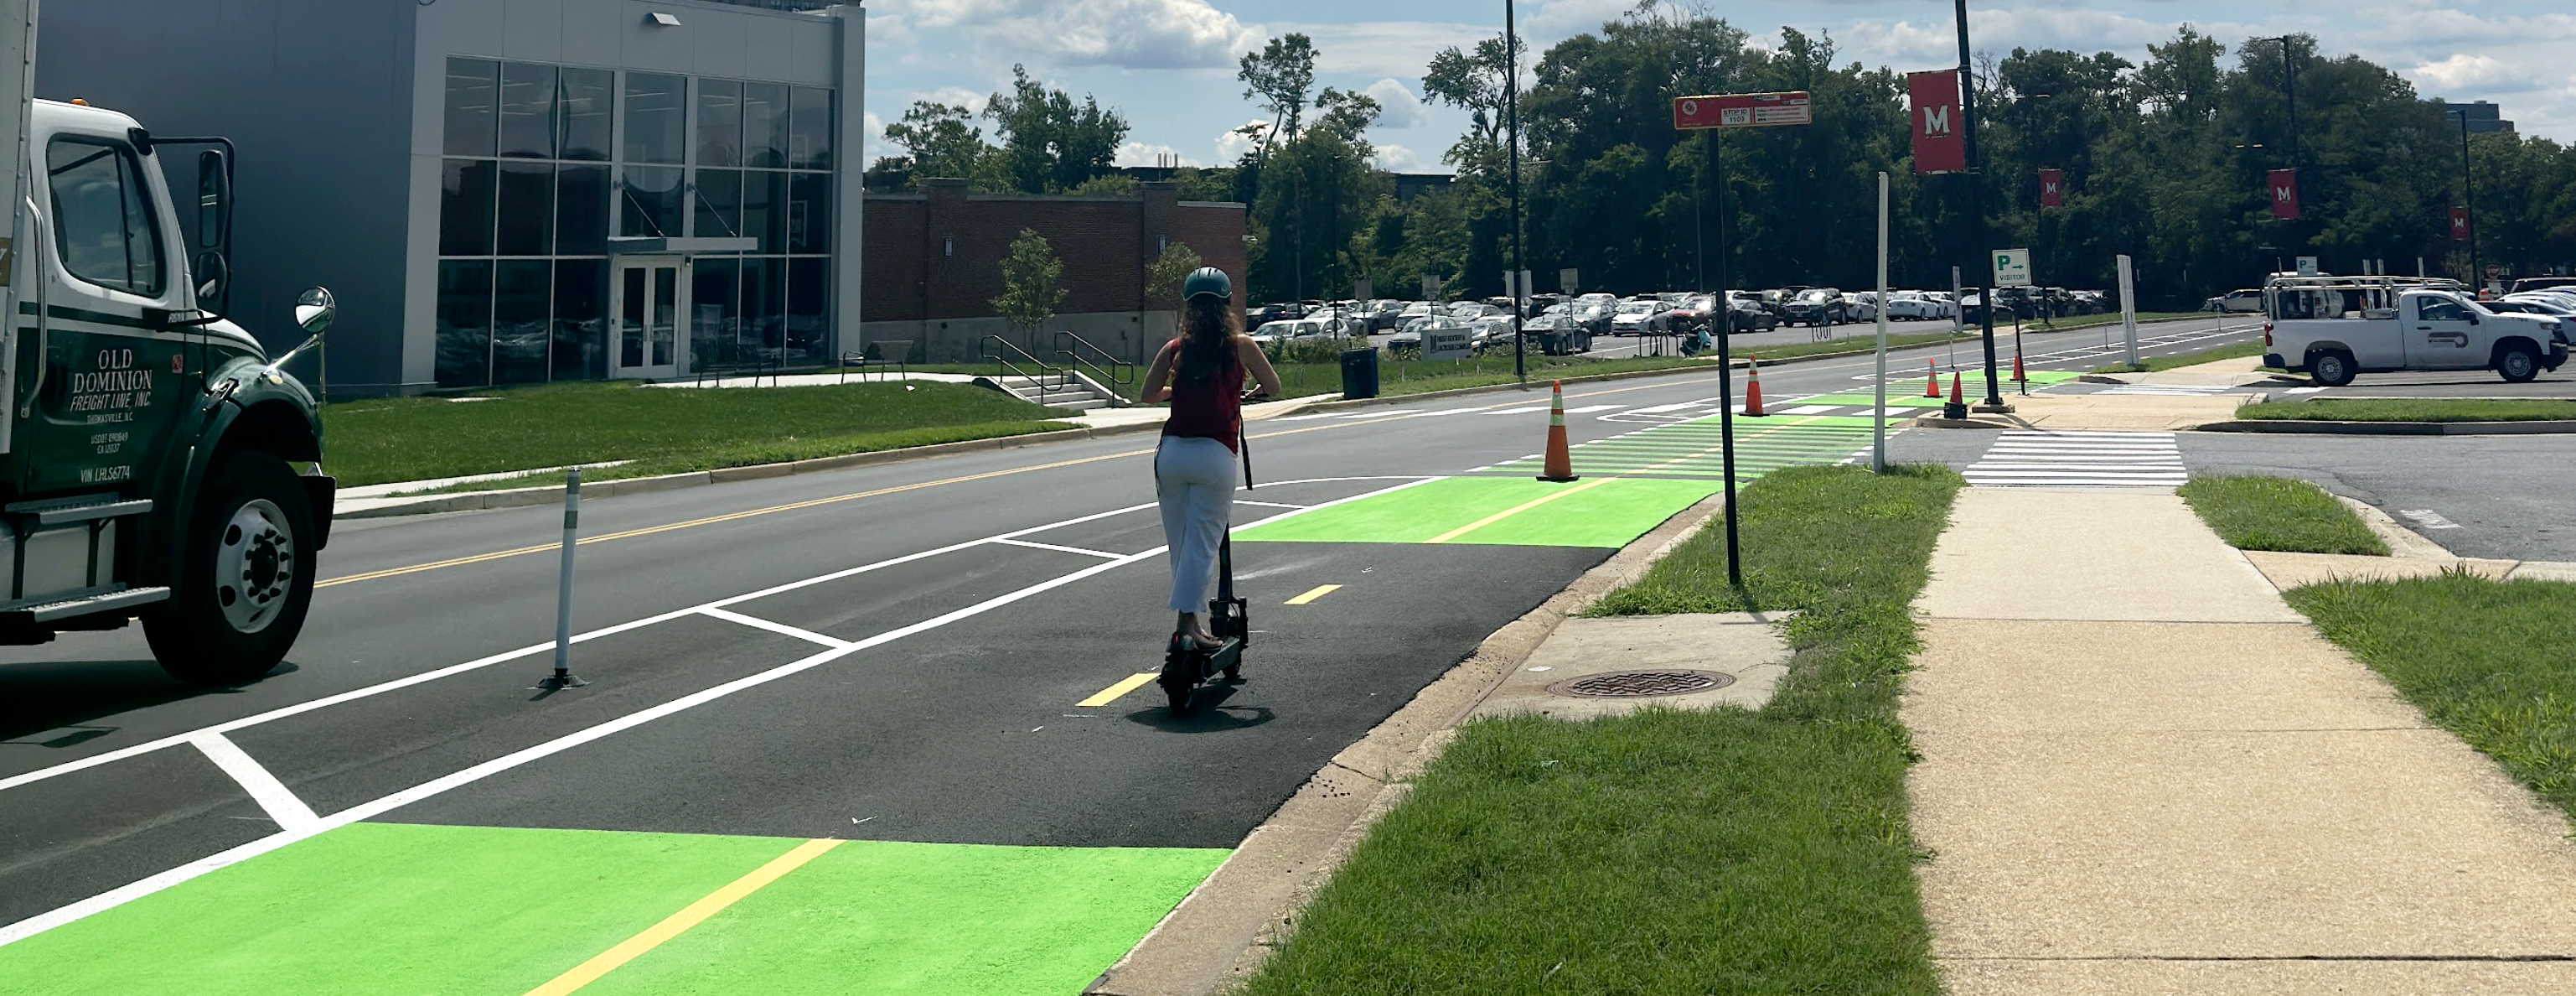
649	314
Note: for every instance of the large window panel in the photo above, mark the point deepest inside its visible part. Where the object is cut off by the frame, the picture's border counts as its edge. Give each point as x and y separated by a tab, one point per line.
764	210
656	112
764	125
103	224
809	135
764	305
471	94
719	123
521	322
809	213
651	201
588	95
718	203
464	322
581	210
465	208
527	111
527	215
809	298
714	322
581	313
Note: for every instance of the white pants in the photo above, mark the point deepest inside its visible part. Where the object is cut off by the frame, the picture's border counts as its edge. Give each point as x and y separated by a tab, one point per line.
1194	479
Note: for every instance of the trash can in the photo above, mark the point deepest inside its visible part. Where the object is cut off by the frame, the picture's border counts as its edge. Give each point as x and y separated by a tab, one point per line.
1359	373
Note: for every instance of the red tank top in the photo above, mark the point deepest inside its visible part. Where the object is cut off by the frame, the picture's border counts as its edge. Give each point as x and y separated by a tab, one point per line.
1210	408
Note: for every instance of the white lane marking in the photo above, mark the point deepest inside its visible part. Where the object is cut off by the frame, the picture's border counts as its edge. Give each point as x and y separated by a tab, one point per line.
1399	411
1523	410
773	626
1267	504
397	684
1103	554
1300	418
2303	390
1811	409
274	798
1587	409
1666	408
2023	458
2428	518
121	895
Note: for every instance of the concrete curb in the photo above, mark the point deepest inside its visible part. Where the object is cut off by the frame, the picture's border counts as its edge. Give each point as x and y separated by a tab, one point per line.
1220	934
2326	428
553	494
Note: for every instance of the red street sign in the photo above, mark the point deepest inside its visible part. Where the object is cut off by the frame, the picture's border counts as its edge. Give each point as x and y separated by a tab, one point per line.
2459	224
2052	188
2284	185
1742	110
1940	145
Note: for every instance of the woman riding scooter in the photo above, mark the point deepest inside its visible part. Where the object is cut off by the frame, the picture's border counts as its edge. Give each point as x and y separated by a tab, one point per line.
1201	373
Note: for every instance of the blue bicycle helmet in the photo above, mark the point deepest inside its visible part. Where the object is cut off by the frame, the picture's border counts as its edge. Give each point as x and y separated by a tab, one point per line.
1208	281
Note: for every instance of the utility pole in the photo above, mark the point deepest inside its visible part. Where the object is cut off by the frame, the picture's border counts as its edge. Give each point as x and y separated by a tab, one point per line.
1512	148
1977	209
2469	198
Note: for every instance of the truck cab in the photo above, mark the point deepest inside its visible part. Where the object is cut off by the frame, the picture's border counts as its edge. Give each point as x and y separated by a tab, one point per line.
2337	328
154	463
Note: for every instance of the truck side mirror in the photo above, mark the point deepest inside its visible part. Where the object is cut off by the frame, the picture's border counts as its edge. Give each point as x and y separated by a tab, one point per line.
214	277
314	310
214	200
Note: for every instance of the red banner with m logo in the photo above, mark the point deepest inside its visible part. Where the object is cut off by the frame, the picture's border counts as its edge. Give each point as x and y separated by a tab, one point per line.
1940	142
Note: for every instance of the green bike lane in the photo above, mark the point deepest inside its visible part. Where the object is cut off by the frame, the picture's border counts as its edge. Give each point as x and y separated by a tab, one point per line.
398	903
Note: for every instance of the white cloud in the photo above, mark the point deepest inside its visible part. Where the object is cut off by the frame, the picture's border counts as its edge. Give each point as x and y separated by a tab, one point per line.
1231	145
1385	48
1133	34
1148	154
2465	71
876	146
1398	159
1403	109
956	96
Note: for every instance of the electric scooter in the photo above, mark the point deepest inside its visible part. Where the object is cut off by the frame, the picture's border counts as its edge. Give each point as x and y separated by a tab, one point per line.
1186	666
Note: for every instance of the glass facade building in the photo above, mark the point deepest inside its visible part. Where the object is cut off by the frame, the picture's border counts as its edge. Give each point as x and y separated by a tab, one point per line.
577	206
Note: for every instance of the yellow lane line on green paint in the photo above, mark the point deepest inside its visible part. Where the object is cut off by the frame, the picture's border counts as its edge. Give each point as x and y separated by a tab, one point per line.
1114	692
1517	509
1318	591
1721	445
677	923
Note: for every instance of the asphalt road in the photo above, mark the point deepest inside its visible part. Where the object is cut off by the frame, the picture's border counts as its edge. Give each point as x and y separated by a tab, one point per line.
898	652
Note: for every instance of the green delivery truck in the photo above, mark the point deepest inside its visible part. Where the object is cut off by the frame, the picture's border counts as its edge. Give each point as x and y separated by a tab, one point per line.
155	463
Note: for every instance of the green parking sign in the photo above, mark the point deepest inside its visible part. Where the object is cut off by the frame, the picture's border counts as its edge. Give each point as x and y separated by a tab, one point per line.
2012	267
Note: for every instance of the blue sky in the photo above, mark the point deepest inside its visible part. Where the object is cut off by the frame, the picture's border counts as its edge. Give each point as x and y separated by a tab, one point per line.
1168	65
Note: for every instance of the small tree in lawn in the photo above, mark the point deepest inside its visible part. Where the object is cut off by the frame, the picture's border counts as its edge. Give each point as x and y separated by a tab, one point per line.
1030	290
1163	278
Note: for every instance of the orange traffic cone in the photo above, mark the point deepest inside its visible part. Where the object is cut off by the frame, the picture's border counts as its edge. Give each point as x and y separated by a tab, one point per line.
2017	374
1956	398
1560	464
1932	379
1753	387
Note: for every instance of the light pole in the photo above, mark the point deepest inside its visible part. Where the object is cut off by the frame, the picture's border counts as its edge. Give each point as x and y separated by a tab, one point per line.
2469	203
1977	207
1512	148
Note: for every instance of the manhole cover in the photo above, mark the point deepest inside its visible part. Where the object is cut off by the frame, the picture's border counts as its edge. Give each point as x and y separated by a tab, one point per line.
1641	684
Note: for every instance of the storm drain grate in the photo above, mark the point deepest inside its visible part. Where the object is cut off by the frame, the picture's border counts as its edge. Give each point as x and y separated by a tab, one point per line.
1641	684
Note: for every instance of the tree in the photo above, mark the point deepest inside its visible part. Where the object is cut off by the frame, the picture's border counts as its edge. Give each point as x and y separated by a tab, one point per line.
1277	78
1471	83
1050	144
940	140
1030	284
1164	276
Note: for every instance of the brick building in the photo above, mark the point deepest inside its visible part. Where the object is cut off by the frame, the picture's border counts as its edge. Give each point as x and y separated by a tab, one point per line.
932	265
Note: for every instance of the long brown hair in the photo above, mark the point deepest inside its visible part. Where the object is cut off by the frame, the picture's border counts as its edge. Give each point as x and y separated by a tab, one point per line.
1208	328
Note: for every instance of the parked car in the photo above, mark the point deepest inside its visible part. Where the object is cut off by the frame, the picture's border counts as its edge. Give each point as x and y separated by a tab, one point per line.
1815	307
2434	325
1297	328
1265	314
1861	306
1558	335
1750	316
1417	309
1494	332
2528	284
2247	300
1409	338
1912	306
1473	309
1638	318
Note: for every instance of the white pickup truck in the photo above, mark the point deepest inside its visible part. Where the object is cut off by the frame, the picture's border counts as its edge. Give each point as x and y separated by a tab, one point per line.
2335	328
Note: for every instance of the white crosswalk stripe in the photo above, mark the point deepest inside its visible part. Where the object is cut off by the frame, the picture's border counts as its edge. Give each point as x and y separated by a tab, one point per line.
2023	458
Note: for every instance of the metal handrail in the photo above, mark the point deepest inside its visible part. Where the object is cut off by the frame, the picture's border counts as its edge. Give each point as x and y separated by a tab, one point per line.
1118	374
1001	351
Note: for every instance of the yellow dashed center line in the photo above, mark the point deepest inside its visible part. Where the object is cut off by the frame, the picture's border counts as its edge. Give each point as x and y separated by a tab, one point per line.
1114	692
677	923
1518	509
1319	591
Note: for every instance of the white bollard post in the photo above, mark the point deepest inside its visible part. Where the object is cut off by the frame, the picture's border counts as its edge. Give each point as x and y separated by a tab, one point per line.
563	676
2129	309
1878	414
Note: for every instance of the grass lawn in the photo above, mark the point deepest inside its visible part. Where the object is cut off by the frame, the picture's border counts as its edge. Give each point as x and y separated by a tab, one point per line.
2412	410
1675	852
664	430
2487	660
2278	513
2151	364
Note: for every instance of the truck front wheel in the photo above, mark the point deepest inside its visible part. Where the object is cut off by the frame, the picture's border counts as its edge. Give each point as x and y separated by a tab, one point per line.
2518	364
245	576
2331	369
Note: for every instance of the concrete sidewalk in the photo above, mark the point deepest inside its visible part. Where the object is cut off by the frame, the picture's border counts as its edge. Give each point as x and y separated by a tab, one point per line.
2144	773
